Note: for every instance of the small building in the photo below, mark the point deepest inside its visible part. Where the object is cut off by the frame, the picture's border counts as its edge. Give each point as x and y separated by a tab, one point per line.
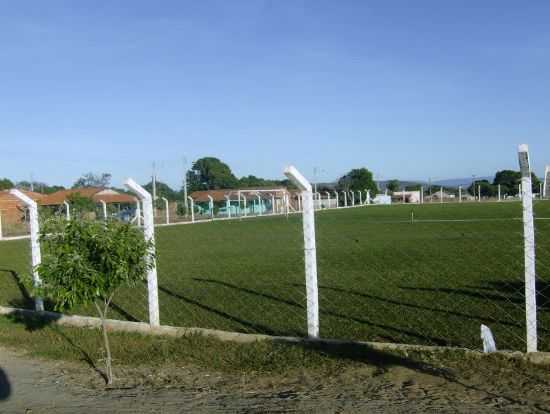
407	196
116	201
96	194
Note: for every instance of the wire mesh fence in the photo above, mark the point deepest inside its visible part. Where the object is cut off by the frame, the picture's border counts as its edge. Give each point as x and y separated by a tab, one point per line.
407	273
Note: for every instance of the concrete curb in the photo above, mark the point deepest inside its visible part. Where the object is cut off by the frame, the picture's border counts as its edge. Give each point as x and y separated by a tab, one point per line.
539	358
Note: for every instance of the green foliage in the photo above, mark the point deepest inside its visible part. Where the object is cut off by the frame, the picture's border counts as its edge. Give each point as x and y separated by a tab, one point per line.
38	187
358	179
162	190
93	180
80	206
210	173
5	184
485	187
509	181
393	185
86	261
413	187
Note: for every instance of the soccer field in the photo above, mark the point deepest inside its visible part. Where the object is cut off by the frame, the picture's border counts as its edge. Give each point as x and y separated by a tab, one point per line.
429	274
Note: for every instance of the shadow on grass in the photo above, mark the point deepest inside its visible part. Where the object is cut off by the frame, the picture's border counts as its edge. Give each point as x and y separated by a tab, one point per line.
363	321
416	306
25	301
47	320
500	290
255	327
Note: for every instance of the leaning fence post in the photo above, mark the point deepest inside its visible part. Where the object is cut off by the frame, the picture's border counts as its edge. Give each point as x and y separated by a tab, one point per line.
310	252
36	257
149	232
529	249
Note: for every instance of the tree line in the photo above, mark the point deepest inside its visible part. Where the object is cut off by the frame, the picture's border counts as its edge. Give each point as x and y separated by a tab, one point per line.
210	173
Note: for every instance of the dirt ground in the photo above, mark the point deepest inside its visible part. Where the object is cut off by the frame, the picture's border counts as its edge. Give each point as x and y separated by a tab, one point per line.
36	386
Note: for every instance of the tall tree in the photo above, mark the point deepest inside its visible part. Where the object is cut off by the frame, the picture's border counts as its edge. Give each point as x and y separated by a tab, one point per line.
509	182
485	187
358	179
38	187
5	184
162	190
93	180
210	173
393	185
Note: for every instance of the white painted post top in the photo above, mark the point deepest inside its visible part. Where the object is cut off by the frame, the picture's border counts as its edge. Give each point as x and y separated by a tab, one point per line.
141	192
29	202
297	178
523	152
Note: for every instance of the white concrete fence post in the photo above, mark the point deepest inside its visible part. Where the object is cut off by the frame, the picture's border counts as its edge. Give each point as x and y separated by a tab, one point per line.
345	198
259	204
529	249
149	234
368	197
138	213
499	194
167	207
310	252
228	205
244	205
67	210
211	206
337	201
104	206
328	199
360	198
36	257
352	198
192	206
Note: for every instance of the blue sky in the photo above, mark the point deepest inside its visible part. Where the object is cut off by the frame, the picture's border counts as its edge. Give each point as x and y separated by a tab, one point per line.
408	89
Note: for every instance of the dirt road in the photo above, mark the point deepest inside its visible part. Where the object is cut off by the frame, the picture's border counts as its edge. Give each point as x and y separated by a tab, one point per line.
35	386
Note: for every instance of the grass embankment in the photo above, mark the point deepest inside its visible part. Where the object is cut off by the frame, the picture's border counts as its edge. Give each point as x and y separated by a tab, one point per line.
381	276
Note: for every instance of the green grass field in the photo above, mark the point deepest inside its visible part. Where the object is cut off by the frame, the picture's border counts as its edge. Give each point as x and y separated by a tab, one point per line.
382	277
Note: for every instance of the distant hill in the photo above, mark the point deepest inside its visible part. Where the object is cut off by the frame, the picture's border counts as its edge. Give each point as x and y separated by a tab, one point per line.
450	182
456	182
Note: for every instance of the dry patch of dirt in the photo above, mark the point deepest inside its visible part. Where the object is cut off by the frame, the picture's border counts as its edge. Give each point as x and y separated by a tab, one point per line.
488	386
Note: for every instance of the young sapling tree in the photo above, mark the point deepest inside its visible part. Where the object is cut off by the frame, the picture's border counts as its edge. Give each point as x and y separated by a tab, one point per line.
86	262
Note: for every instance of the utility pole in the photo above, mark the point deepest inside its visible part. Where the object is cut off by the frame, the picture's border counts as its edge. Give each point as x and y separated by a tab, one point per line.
185	202
315	171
